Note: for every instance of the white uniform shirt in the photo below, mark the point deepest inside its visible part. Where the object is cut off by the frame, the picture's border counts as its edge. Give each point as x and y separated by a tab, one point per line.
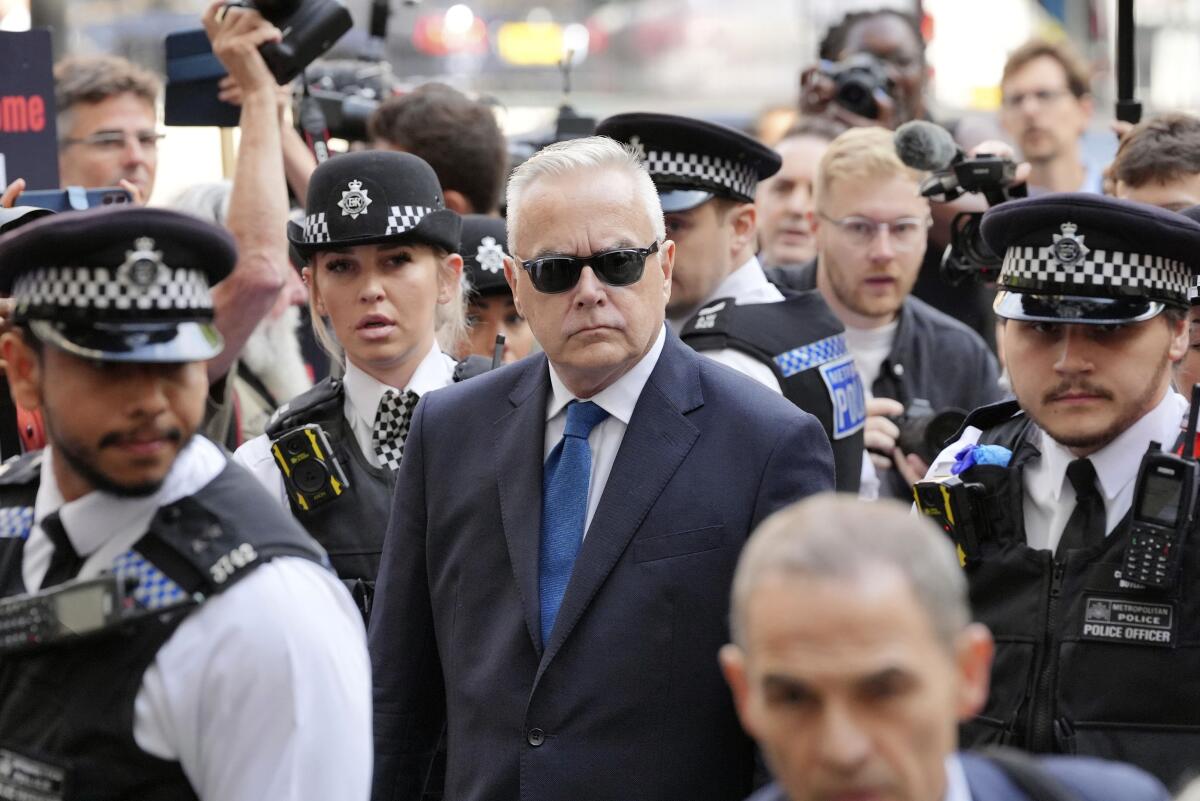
1049	497
618	399
957	788
747	285
363	394
262	692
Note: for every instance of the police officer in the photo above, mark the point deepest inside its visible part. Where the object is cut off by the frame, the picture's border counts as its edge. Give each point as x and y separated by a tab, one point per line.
1094	298
721	302
491	311
383	269
216	628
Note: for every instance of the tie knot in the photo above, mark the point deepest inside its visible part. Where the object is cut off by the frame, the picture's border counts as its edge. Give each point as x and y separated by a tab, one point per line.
582	417
1082	476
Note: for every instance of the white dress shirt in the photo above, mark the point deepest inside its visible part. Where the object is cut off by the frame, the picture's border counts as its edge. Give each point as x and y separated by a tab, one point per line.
363	394
264	691
957	788
747	285
618	399
1049	497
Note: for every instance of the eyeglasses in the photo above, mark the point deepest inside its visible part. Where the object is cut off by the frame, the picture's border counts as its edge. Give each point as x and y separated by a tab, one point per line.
1042	96
905	233
619	267
111	141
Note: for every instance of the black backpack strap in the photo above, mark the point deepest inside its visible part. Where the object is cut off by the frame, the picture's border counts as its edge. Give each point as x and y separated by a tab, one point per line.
471	367
323	400
1029	775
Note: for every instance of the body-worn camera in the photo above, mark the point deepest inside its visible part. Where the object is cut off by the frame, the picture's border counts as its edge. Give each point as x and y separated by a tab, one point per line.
924	431
311	472
859	81
953	504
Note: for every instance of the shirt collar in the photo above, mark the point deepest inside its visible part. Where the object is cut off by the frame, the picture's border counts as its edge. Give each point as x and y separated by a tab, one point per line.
1113	461
95	518
746	279
364	392
618	398
957	788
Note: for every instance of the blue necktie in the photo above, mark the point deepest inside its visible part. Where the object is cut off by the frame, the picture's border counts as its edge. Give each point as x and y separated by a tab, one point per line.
564	508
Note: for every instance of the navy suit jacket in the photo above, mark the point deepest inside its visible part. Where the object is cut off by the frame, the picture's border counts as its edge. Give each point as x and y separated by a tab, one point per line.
1089	779
627	692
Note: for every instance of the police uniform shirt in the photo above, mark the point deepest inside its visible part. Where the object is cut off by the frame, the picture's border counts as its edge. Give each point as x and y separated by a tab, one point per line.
746	285
363	394
253	682
1049	498
618	399
957	788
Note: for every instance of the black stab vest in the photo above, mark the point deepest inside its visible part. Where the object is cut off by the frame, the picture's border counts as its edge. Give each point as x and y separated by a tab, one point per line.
804	345
1084	663
67	709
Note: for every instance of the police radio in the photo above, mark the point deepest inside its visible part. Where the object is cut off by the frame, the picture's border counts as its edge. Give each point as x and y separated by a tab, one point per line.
313	475
1164	501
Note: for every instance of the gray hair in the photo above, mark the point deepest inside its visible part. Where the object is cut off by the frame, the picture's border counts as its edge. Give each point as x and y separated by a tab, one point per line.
208	201
576	155
837	536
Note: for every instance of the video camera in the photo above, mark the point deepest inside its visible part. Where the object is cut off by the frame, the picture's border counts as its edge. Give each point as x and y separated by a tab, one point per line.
860	81
928	147
924	431
310	27
347	92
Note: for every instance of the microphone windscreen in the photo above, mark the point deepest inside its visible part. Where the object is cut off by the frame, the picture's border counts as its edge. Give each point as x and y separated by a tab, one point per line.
924	146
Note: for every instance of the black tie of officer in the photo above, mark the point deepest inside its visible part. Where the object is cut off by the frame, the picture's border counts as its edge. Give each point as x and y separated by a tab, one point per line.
1086	526
66	561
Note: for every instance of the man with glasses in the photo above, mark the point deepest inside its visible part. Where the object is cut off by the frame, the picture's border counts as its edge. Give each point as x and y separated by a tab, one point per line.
1045	108
107	119
559	619
721	302
870	224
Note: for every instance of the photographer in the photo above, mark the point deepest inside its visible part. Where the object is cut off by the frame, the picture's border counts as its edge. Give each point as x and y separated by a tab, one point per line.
870	224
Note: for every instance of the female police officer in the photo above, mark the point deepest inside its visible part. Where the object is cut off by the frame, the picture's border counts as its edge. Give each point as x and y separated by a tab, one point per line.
383	269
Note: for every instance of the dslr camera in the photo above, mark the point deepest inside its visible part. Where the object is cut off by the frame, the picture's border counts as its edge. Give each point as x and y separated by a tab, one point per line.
924	431
310	27
859	82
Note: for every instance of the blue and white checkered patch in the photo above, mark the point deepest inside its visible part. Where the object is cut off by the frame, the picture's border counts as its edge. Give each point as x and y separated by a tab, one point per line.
154	590
846	394
16	522
812	355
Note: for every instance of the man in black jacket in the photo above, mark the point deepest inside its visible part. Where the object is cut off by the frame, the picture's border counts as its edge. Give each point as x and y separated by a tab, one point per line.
870	224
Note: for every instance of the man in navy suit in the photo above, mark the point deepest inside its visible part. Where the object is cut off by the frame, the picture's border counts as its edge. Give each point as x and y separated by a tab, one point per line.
554	586
854	659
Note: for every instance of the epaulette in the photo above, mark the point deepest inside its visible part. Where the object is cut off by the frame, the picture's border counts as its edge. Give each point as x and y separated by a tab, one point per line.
23	469
711	318
317	401
990	416
471	367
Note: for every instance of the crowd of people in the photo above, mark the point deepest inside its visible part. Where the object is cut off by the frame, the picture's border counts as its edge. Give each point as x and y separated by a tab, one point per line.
416	474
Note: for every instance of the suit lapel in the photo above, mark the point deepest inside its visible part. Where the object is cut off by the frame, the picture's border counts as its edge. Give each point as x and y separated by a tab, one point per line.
658	438
518	436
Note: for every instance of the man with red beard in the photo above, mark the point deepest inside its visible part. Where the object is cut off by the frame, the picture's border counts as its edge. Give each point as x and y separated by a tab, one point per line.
1094	299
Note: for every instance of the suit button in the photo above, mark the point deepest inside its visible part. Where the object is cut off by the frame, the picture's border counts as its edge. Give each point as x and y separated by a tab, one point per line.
536	737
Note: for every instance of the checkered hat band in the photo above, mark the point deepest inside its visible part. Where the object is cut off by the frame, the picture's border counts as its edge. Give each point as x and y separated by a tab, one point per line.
87	289
405	218
814	354
316	229
708	171
1100	272
154	590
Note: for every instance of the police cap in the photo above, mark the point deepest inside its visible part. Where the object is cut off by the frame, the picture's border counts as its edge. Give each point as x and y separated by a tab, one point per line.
1193	213
484	246
1083	258
122	284
372	197
693	161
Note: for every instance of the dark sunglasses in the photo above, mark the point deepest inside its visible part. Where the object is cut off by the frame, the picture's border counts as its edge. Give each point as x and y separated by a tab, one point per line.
620	267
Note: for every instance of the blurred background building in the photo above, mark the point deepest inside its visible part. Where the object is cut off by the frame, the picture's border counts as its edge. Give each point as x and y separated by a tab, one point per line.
721	59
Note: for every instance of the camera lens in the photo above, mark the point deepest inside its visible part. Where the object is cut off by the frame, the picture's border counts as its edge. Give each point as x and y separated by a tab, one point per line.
294	445
310	476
